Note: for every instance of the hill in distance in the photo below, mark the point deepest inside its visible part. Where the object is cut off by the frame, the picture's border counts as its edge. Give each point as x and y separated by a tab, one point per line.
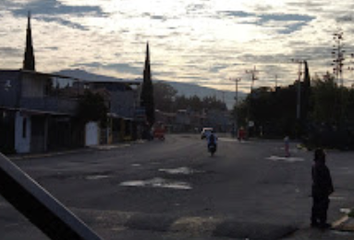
187	89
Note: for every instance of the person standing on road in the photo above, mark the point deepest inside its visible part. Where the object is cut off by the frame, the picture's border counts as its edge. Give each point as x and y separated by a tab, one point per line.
286	146
322	187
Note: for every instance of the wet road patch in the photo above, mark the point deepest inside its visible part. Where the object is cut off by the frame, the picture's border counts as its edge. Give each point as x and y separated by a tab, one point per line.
286	159
96	177
180	170
158	183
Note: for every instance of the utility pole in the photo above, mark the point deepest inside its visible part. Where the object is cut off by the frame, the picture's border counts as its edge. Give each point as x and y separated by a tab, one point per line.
235	128
351	68
237	80
276	81
338	55
298	105
253	73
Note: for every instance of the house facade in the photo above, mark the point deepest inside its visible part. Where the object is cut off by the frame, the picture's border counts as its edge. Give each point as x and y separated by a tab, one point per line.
122	122
37	112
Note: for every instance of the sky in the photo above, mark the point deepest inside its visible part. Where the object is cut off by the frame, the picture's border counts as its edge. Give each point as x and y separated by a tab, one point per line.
204	42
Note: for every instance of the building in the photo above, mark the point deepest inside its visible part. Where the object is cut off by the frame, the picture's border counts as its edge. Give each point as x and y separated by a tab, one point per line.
37	112
122	104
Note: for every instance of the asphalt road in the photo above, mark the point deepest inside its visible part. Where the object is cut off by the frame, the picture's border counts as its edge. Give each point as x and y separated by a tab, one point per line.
247	190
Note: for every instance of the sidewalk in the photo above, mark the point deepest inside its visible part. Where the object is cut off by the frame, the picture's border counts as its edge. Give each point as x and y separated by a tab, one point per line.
342	229
103	147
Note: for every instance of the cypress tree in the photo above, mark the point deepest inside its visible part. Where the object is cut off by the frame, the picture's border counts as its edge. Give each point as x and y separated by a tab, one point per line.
29	62
306	93
147	92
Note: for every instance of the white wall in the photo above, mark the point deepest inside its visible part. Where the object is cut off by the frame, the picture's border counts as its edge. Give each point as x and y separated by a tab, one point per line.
22	145
92	134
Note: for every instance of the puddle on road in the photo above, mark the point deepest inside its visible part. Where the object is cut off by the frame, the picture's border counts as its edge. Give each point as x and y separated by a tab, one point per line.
96	177
181	170
136	165
345	210
336	198
157	183
286	159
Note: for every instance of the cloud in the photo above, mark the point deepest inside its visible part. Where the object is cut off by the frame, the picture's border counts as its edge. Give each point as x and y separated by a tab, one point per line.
10	51
54	11
62	22
217	68
195	7
290	22
345	18
205	42
54	7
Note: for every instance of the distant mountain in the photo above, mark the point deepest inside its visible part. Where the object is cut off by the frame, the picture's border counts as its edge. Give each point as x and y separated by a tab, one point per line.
81	74
187	89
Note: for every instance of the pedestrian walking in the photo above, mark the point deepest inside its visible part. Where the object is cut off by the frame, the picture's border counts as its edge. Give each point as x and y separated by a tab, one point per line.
241	134
322	187
286	146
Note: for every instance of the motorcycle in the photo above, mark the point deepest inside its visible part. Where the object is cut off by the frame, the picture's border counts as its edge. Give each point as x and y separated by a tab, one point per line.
212	149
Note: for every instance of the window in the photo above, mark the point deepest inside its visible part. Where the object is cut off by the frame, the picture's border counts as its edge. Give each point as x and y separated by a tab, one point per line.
24	127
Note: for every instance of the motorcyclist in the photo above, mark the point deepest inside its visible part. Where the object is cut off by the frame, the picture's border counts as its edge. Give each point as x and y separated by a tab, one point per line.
212	140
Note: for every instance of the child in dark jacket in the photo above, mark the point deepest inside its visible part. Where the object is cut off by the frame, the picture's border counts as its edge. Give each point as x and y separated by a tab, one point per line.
322	187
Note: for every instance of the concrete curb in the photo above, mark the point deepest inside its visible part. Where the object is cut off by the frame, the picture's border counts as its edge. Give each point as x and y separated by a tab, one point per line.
48	154
105	147
196	226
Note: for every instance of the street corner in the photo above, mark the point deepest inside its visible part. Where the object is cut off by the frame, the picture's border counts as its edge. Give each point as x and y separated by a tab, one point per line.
345	224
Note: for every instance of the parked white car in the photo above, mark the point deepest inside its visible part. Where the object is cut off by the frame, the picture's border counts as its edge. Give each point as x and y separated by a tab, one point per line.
205	132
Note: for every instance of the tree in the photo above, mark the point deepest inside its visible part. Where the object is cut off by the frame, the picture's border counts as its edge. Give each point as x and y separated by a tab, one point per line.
92	108
326	100
274	111
306	94
164	96
147	92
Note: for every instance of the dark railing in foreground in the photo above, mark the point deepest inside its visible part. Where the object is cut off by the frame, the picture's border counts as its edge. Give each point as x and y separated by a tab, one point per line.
39	206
